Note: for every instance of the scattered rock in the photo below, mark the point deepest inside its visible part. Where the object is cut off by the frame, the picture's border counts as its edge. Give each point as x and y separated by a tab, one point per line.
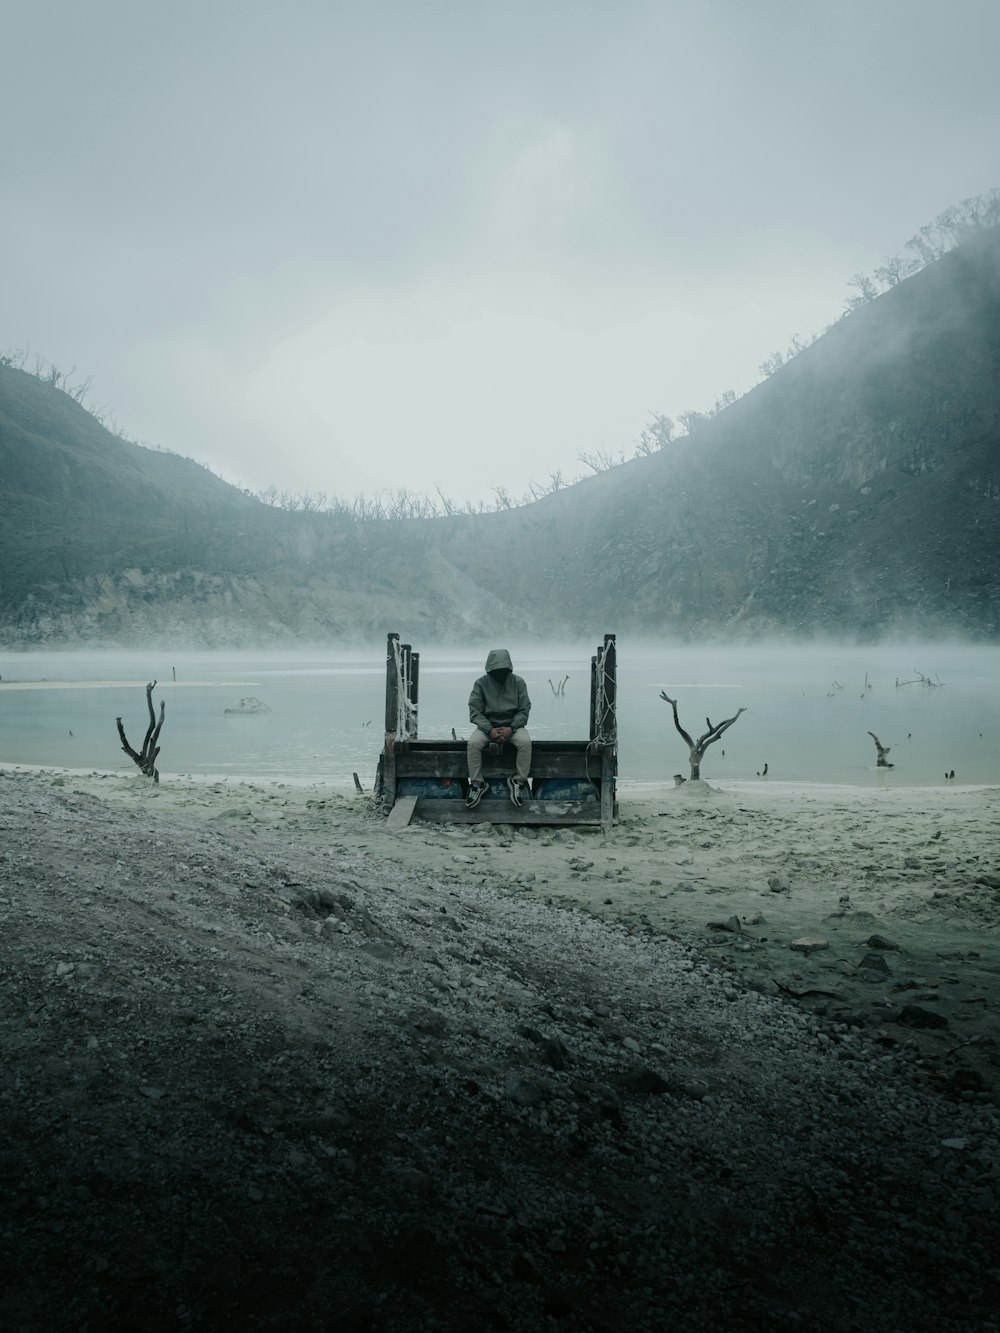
879	942
555	1053
523	1270
913	1016
523	1092
428	1022
695	1089
808	944
732	924
644	1082
967	1080
413	1179
874	962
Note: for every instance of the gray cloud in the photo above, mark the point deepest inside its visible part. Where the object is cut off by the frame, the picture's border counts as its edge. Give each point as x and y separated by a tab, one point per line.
335	247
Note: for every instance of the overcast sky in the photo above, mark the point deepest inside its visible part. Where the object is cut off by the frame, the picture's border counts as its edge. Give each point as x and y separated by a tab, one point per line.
336	247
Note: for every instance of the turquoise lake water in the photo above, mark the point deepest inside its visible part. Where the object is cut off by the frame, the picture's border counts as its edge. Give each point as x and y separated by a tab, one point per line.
809	709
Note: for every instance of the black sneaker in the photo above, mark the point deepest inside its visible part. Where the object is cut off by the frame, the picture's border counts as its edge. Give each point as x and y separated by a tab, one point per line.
516	788
477	790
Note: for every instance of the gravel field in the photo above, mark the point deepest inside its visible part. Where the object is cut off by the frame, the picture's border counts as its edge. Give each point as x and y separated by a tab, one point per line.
265	1067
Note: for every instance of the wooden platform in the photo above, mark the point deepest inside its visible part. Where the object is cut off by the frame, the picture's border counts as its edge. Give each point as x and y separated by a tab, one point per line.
579	775
572	781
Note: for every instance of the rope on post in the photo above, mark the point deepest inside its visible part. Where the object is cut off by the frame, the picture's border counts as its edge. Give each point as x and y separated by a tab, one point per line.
406	712
604	727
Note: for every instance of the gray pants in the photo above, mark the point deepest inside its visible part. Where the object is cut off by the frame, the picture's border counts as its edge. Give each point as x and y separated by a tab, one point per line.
478	742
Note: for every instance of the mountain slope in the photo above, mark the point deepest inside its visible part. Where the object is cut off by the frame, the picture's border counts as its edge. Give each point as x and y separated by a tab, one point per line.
102	540
78	501
856	491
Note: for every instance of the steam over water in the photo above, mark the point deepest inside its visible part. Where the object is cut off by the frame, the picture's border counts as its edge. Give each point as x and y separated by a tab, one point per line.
809	710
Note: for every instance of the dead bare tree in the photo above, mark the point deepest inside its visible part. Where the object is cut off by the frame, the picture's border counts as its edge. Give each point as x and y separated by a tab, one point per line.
602	460
883	752
560	688
921	680
697	748
146	758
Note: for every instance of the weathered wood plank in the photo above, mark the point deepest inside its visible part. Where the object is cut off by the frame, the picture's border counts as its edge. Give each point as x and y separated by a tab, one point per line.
607	788
430	764
401	813
443	746
391	685
503	812
389	775
415	689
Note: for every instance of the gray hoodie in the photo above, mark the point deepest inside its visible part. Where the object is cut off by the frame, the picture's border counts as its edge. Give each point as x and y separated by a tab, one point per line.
499	700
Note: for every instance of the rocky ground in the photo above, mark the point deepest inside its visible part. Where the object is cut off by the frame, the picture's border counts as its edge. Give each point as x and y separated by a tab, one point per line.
268	1066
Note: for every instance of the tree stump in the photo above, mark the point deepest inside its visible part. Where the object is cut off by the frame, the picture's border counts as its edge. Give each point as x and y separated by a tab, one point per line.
882	751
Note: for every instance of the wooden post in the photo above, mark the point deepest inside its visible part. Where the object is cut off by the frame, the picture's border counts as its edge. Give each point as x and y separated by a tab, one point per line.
406	653
608	728
415	690
609	662
593	697
608	767
388	776
391	688
604	691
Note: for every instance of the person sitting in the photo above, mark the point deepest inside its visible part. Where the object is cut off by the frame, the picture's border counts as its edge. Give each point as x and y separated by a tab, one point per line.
498	709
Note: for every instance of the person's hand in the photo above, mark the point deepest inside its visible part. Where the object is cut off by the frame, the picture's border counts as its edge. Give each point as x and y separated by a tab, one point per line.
496	734
506	733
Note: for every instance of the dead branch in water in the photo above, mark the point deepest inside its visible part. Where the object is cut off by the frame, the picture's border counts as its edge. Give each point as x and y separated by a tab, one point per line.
883	752
146	757
921	679
697	748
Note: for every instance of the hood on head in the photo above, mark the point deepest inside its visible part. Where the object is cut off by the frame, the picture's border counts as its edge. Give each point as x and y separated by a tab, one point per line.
499	660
